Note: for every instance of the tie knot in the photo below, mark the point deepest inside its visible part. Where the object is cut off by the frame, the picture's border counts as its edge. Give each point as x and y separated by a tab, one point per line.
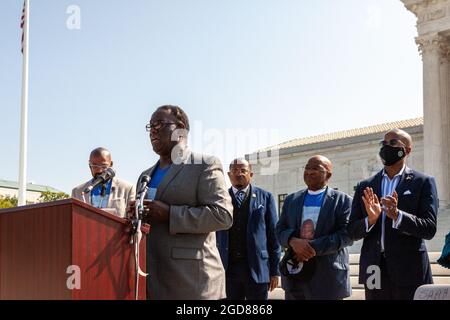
240	195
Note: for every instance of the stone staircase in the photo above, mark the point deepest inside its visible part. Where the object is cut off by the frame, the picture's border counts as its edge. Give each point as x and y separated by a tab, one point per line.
441	275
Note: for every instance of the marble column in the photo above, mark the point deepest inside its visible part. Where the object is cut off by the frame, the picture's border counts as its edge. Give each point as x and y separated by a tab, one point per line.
435	51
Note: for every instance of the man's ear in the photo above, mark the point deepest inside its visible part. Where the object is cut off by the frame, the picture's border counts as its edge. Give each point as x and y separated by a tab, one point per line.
408	150
329	174
112	163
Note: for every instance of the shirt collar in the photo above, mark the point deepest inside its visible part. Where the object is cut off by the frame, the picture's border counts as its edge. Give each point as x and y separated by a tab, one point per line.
398	174
237	190
317	191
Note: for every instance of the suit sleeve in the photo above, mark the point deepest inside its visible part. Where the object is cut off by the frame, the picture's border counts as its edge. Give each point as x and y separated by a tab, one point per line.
131	197
76	194
215	211
340	238
273	246
423	223
356	228
283	229
131	194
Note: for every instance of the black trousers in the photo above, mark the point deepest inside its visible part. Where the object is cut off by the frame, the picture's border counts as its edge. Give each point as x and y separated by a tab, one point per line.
388	290
240	284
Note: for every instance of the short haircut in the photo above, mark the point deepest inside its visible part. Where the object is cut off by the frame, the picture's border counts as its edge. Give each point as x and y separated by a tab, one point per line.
405	137
98	152
241	161
178	113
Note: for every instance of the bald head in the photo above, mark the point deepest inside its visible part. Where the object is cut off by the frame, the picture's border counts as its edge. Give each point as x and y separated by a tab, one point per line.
402	135
240	161
317	172
323	161
240	173
99	161
100	153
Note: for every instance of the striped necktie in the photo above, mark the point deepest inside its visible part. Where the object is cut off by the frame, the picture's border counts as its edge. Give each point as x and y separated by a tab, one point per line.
240	196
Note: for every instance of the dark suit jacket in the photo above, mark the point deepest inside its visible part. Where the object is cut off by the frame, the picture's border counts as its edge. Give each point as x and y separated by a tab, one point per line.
406	255
263	250
331	278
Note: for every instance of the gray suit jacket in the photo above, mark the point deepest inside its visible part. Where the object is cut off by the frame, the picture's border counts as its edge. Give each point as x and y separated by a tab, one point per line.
122	193
183	261
331	279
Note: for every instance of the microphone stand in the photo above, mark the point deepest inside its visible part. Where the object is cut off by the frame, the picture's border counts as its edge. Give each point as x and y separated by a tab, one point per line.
136	235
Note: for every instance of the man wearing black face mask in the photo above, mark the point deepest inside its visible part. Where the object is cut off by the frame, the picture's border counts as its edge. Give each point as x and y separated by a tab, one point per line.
394	211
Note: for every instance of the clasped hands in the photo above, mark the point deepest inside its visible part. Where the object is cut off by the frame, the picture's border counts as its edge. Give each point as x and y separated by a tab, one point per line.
154	210
302	249
374	206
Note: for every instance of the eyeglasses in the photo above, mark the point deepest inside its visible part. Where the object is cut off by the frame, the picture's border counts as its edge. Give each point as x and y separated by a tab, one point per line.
99	166
392	142
236	171
157	125
315	169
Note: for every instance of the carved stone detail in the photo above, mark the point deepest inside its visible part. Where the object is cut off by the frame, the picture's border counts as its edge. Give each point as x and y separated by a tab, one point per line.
434	43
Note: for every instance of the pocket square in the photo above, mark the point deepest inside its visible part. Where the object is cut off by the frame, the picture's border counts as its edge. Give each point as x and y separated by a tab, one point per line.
406	192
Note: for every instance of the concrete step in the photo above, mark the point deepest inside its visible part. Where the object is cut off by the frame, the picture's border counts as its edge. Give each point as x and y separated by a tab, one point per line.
357	289
436	270
357	294
354	283
441	276
441	280
432	256
277	294
436	279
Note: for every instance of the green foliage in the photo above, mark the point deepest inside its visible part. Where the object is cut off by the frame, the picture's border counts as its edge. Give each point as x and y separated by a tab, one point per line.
8	202
49	196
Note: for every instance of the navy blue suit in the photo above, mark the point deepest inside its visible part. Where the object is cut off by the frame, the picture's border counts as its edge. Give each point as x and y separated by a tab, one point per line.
331	276
263	250
405	257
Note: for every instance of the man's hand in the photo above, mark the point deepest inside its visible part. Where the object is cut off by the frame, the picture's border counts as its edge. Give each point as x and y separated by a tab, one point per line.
131	207
390	205
372	204
156	210
273	283
153	210
302	249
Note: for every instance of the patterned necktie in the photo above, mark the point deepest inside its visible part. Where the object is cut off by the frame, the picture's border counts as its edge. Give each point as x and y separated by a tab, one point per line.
240	195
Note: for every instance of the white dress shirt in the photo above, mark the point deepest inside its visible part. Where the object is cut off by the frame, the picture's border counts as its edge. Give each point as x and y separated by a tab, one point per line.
387	189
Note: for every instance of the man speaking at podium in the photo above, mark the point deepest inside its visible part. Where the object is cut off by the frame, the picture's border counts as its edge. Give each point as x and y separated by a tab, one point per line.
187	201
104	190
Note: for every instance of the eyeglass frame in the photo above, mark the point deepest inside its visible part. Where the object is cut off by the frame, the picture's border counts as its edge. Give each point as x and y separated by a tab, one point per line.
159	126
99	166
242	170
321	170
383	142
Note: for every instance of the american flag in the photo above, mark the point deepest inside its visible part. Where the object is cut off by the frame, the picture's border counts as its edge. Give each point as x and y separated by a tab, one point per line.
22	23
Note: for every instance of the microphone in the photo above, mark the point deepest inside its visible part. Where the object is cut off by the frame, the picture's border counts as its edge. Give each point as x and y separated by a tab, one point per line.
103	191
143	185
141	190
102	178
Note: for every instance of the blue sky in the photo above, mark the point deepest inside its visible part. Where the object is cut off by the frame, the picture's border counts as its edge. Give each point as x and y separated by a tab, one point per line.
282	68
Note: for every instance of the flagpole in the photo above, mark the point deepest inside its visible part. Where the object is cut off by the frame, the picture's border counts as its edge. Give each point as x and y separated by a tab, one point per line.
24	113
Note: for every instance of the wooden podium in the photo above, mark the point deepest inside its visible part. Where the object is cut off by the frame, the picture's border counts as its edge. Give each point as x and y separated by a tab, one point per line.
42	246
